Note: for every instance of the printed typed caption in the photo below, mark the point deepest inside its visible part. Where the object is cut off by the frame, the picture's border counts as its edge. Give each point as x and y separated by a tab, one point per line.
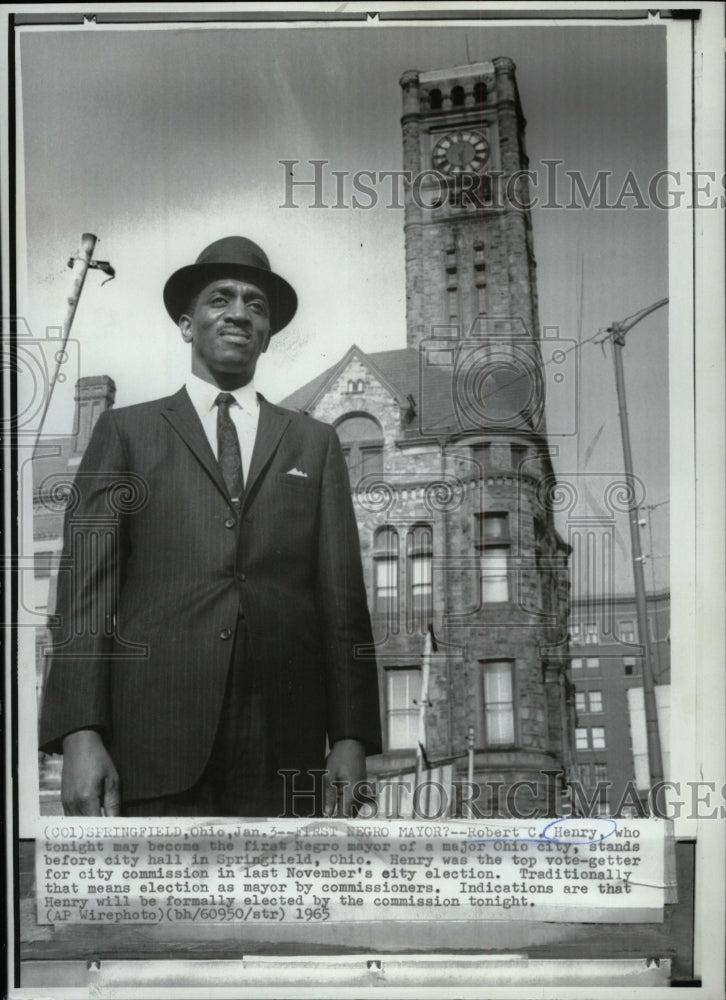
564	869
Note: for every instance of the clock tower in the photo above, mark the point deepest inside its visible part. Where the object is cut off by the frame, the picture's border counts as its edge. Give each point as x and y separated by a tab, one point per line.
451	475
468	237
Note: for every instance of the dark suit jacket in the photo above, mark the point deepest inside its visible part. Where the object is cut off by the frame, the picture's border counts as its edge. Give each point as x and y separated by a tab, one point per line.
156	566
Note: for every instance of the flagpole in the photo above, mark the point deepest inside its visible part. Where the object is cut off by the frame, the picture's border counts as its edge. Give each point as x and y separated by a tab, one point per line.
423	704
470	769
80	264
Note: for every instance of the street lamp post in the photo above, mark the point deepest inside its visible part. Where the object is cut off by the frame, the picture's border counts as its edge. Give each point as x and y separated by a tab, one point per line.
618	331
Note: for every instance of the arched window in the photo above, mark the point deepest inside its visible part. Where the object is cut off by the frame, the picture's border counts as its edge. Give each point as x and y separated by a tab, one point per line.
457	97
385	571
435	100
419	552
362	440
480	93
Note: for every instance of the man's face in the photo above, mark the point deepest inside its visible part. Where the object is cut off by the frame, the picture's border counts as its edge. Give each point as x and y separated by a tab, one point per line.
228	327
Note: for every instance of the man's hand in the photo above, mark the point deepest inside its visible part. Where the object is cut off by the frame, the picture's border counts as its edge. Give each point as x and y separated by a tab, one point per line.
346	765
90	783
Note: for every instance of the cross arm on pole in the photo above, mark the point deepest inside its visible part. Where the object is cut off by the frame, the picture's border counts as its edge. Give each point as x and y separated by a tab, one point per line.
620	327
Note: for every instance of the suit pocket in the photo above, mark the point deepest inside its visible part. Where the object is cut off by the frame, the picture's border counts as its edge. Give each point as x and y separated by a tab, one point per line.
286	479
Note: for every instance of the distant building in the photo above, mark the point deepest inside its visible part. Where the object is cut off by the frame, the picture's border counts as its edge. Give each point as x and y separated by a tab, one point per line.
607	663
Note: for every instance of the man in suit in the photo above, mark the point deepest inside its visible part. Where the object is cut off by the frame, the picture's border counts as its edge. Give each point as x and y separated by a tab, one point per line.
213	634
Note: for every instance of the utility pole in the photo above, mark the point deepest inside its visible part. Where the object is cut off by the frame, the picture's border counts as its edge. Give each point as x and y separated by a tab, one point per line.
649	508
618	331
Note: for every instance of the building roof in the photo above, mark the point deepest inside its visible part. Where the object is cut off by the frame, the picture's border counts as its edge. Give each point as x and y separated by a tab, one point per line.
430	388
399	367
398	370
436	387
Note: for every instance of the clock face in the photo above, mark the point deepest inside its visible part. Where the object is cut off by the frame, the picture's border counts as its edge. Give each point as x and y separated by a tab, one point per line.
462	152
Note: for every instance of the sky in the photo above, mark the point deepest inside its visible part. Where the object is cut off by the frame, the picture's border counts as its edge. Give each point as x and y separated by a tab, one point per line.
161	141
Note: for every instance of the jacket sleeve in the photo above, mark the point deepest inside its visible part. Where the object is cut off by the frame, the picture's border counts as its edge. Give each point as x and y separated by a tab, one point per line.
352	703
77	693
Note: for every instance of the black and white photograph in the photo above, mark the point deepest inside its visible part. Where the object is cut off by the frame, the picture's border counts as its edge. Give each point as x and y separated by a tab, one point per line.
364	437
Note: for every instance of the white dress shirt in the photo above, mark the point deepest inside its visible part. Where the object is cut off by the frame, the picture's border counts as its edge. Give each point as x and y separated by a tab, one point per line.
245	414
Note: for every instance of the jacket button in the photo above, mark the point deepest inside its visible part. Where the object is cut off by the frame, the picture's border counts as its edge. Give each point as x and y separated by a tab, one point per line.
226	633
241	577
230	522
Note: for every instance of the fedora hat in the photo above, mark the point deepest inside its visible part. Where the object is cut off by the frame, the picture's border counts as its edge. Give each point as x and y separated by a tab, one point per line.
231	257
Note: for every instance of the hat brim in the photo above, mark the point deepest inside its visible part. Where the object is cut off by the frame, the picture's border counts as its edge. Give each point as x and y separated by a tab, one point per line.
185	283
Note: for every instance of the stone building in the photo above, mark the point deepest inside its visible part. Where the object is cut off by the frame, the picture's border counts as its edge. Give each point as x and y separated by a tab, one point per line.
449	463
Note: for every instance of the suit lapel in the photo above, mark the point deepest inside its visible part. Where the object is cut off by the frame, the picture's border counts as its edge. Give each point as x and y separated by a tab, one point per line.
181	414
270	429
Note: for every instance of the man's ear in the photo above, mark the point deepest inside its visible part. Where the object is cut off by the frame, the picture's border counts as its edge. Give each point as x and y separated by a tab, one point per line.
185	326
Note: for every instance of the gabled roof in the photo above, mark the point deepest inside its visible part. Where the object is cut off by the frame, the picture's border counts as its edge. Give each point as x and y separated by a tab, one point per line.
308	395
407	372
399	372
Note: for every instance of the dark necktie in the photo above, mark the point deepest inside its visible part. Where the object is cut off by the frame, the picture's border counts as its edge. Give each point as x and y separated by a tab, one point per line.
228	453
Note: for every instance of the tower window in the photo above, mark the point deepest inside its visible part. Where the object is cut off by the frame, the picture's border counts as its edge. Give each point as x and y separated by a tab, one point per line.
452	289
498	697
420	589
458	97
493	544
403	696
385	570
435	100
480	278
480	93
